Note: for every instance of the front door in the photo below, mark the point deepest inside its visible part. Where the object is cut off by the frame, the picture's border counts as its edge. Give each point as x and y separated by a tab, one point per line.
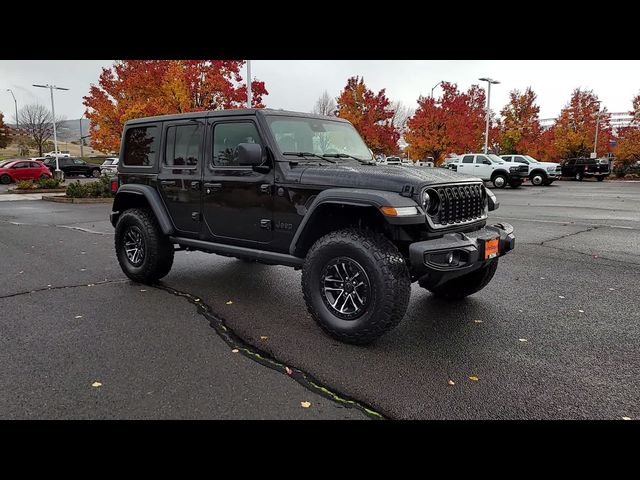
483	167
179	177
236	200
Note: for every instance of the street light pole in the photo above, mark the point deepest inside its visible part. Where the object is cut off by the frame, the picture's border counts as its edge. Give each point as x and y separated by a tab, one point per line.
595	143
249	93
53	121
434	87
486	131
81	139
16	104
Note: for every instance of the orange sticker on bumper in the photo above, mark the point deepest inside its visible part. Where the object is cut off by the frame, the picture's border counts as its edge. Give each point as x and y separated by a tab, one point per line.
491	248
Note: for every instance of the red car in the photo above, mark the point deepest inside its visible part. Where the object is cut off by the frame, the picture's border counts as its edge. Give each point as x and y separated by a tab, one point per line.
23	170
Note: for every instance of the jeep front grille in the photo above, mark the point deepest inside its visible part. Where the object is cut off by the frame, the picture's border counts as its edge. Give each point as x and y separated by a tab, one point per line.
459	204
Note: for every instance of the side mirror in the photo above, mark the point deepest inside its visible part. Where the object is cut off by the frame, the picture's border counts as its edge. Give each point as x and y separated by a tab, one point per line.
249	154
486	162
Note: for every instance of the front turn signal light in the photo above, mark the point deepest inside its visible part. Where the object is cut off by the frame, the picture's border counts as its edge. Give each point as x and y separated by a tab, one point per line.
399	211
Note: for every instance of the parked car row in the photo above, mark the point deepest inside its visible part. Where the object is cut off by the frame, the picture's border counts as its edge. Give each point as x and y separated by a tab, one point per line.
73	166
515	169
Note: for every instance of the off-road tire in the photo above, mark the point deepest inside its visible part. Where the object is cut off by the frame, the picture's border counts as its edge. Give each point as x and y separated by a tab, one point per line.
466	285
505	180
388	275
158	254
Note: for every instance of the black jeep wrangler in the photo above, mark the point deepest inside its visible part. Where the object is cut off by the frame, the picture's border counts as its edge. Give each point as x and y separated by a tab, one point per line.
304	191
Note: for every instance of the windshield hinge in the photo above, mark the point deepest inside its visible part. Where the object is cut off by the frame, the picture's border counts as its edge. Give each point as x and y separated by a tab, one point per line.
407	191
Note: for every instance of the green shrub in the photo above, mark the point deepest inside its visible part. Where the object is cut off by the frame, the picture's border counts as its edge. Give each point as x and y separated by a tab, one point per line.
45	183
101	188
24	184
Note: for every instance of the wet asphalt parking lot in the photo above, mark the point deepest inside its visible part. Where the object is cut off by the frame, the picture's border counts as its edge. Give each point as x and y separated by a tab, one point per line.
554	336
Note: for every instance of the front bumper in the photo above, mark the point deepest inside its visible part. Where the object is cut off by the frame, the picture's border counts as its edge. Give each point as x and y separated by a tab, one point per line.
437	261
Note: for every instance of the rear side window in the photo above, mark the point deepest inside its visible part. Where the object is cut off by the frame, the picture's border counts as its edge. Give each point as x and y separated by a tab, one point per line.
141	145
183	146
468	159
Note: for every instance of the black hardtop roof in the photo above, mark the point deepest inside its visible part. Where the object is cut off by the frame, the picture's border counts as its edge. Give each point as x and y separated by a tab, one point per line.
229	113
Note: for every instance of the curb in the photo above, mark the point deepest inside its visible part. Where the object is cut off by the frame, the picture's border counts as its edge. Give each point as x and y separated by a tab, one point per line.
38	190
78	200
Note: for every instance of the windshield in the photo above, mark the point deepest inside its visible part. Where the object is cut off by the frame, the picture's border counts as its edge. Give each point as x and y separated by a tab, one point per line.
531	159
495	158
317	136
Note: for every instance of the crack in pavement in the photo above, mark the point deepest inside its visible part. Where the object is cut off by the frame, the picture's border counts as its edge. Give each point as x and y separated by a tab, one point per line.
590	229
44	289
260	356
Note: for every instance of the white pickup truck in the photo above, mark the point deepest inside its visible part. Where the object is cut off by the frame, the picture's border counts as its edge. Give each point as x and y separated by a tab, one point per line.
540	173
491	168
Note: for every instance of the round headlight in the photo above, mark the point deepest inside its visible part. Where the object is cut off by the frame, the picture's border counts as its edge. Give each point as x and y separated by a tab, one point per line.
430	201
426	200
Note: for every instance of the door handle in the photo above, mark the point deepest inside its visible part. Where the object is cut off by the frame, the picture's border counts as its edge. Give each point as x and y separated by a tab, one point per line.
212	187
168	183
477	166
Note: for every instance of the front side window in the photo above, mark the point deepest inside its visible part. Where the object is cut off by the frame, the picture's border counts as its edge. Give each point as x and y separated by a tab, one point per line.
318	136
506	159
21	165
184	144
78	162
227	137
141	144
481	159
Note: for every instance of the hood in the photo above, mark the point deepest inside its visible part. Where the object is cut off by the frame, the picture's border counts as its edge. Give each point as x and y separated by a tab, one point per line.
379	177
546	164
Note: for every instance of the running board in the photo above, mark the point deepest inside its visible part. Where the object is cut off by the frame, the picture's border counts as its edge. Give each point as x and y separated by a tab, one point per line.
262	256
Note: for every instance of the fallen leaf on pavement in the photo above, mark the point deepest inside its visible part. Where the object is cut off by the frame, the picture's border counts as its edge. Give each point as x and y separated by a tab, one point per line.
96	384
143	290
235	350
522	339
474	379
229	302
581	311
451	382
612	289
263	337
626	418
78	316
477	321
288	370
560	296
305	404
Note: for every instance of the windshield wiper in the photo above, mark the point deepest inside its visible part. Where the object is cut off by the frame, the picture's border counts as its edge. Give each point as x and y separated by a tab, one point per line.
308	154
346	155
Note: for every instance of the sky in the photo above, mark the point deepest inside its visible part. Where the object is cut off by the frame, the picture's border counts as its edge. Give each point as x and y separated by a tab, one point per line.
296	84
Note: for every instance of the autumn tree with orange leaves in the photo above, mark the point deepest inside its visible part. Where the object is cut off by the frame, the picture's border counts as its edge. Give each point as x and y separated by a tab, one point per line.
454	123
628	149
575	128
141	88
371	114
520	127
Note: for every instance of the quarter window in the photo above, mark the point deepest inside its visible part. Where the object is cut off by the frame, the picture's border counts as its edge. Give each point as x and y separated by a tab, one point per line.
227	137
184	143
141	145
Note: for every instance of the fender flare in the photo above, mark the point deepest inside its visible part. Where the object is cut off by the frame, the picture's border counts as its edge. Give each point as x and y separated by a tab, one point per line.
538	170
358	198
504	172
152	197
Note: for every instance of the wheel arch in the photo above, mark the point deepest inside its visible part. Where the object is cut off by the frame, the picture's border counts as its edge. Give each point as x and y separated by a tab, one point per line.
141	196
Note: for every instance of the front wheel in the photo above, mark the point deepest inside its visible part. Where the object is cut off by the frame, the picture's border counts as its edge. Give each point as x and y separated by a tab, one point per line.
466	285
145	254
43	177
356	285
499	181
5	179
537	179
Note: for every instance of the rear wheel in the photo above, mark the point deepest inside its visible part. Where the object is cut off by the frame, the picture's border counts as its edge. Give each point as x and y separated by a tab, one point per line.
5	179
499	181
95	173
145	254
466	285
356	285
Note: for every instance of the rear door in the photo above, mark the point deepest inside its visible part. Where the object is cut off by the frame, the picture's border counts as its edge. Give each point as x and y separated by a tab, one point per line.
179	177
465	165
